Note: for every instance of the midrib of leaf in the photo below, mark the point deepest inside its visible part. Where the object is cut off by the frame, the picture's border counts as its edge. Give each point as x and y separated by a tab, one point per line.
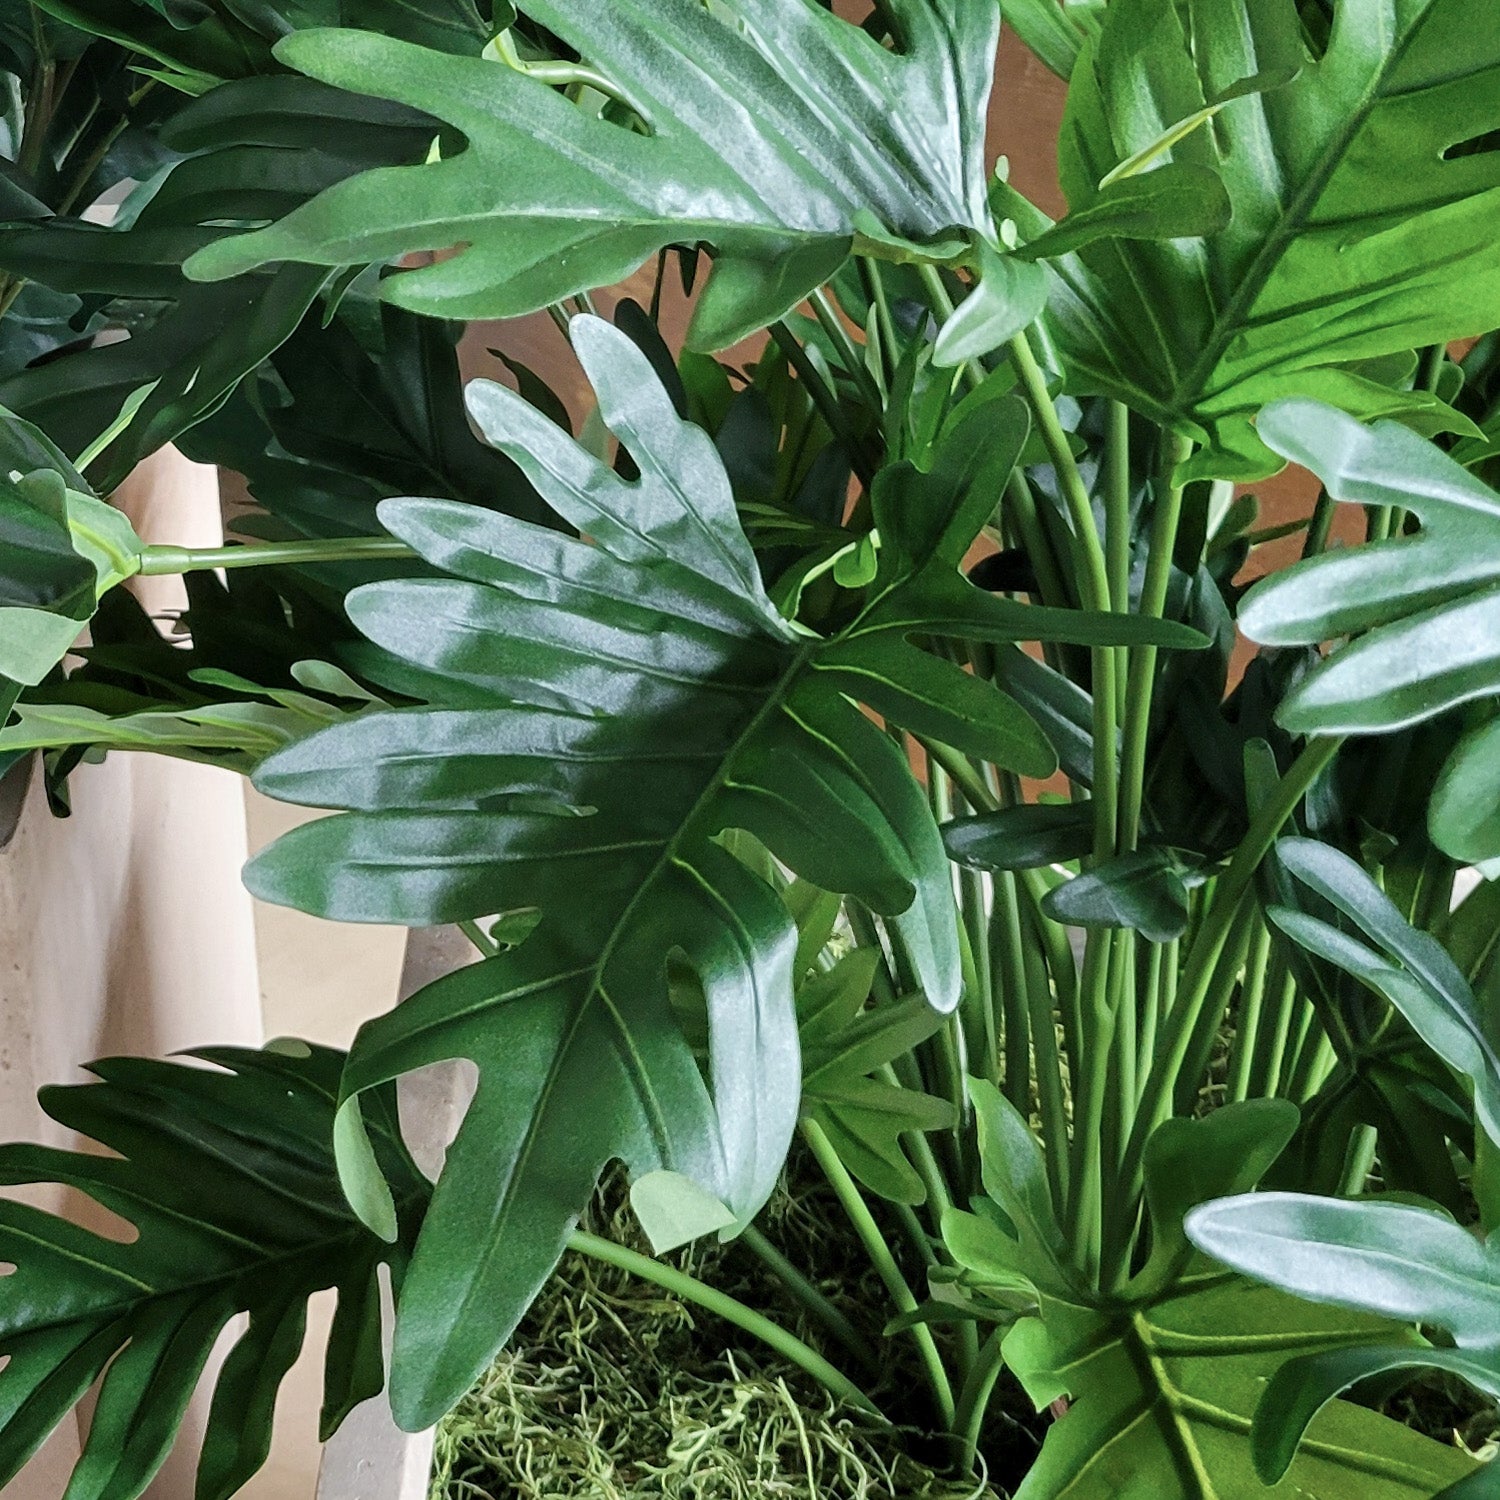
1230	321
1148	1348
598	990
1152	1371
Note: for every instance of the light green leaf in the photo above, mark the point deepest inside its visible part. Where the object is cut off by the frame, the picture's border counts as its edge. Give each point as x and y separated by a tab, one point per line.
1007	298
1412	969
1424	610
1176	201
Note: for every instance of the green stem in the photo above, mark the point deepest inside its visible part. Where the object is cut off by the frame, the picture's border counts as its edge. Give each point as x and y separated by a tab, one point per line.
1117	522
1140	688
974	1399
884	1262
832	321
690	1289
156	561
476	935
1091	1091
1181	1025
827	403
809	1298
1247	1023
1094	583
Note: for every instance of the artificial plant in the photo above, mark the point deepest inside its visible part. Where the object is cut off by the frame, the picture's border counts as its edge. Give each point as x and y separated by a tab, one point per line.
839	738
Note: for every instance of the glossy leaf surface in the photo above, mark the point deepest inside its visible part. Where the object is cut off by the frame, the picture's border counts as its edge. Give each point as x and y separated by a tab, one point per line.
1423	610
1360	228
626	701
1162	1380
770	125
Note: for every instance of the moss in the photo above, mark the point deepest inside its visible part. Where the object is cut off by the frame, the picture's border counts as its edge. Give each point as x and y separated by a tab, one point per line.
612	1390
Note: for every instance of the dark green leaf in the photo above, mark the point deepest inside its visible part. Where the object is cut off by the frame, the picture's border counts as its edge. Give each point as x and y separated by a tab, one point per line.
618	705
227	1174
1023	837
1144	891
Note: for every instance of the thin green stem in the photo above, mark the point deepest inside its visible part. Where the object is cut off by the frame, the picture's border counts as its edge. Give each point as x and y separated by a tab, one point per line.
1117	522
974	1399
831	319
156	561
1247	1022
1094	583
885	1264
809	1298
690	1289
1181	1025
826	401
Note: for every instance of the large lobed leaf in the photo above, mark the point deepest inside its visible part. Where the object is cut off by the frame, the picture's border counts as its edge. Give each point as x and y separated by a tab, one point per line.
1363	223
227	1174
771	128
613	708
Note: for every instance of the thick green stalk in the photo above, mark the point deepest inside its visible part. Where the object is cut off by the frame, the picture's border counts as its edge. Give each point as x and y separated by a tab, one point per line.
156	561
885	1264
690	1289
1139	690
1092	1148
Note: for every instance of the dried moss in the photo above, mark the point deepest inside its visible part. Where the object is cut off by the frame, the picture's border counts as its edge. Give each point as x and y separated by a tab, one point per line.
614	1391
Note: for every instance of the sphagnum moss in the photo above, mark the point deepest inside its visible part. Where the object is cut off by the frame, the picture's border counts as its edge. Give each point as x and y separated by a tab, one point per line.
612	1390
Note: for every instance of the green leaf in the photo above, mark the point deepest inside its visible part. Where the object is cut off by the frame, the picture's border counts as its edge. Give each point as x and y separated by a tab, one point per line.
1056	33
1301	1388
1176	201
615	707
1144	891
1424	610
1411	969
1163	1391
1358	231
843	1042
1162	1378
228	1177
1007	299
782	120
1395	1259
1021	837
1463	813
1410	1264
61	550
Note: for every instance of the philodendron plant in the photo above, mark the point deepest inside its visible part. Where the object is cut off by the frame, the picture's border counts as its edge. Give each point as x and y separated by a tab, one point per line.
837	743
